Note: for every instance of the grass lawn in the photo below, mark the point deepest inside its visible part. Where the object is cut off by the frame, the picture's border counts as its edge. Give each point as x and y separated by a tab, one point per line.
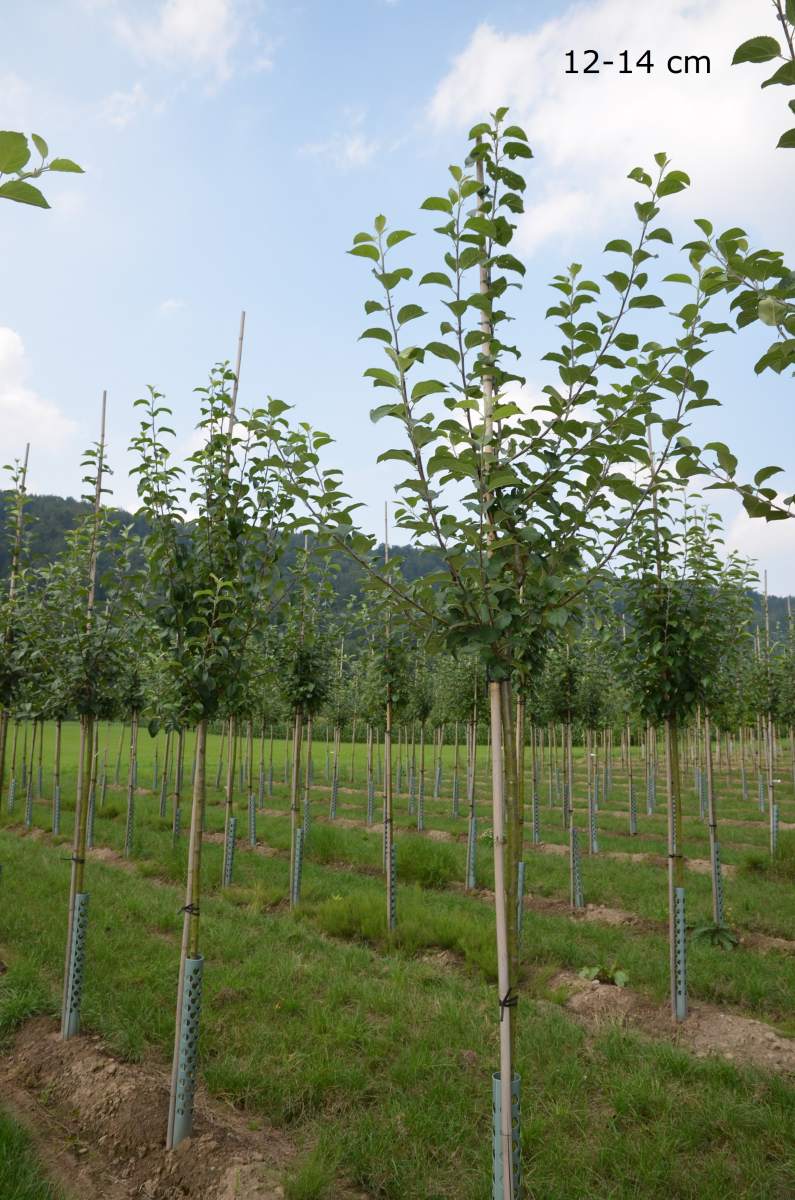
21	1174
373	1051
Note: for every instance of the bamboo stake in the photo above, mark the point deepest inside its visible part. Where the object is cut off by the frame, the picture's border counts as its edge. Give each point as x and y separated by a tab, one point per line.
501	901
12	585
713	824
76	885
391	883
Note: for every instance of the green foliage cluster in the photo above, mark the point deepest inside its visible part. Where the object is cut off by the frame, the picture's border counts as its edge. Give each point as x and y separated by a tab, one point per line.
15	160
767	49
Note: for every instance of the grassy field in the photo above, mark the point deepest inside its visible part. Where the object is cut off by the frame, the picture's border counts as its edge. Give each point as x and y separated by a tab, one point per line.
21	1174
374	1051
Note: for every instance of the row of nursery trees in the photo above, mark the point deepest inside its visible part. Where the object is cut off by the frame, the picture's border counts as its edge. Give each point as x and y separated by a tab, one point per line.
531	510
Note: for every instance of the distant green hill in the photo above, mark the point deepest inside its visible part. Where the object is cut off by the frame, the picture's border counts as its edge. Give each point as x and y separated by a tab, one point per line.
49	519
53	516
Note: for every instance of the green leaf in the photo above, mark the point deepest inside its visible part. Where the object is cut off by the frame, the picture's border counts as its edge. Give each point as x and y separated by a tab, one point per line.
384	410
757	50
787	140
626	341
517	150
674	181
442	350
365	250
785	75
409	312
726	460
771	311
379	224
65	164
382	378
428	387
40	145
508	262
618	279
395	455
382	335
398	235
437	204
765	473
646	302
363	237
14	152
619	246
437	277
23	193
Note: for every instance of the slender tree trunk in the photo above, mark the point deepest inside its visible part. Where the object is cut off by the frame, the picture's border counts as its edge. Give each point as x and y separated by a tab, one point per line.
676	863
391	882
513	832
501	907
308	771
131	773
520	766
353	749
717	915
190	921
76	883
229	807
296	773
56	768
4	719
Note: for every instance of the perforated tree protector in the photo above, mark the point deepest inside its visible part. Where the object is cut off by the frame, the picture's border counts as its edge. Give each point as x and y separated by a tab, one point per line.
76	970
516	1126
188	1056
577	895
680	954
299	862
252	820
229	851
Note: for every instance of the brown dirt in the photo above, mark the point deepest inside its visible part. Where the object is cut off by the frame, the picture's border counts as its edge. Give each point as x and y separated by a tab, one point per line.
700	865
707	1030
243	845
103	1123
763	941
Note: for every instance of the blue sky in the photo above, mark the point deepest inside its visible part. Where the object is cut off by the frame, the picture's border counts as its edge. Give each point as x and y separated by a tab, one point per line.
233	147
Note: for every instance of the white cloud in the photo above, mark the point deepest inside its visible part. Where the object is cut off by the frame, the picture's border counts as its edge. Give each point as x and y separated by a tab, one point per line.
195	33
587	131
347	148
167	308
121	108
27	417
16	101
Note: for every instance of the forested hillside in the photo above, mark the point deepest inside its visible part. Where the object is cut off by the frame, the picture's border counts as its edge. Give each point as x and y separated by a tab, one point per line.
51	517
